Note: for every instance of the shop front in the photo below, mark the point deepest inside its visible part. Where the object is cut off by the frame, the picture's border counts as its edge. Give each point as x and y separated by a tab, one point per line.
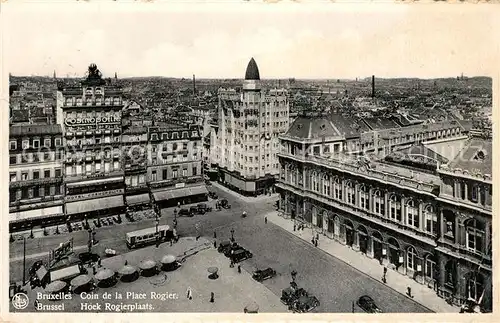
95	208
23	220
172	197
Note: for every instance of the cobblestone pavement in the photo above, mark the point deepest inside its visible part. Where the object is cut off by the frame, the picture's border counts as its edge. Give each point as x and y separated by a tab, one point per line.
232	290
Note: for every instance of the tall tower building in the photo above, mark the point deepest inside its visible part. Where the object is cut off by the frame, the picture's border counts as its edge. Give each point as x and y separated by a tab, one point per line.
249	122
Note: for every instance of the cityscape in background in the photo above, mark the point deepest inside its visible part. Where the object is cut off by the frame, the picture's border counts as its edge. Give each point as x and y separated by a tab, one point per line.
398	171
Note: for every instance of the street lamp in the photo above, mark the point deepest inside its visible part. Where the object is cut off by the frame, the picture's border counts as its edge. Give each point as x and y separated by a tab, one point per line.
232	235
157	240
175	218
90	239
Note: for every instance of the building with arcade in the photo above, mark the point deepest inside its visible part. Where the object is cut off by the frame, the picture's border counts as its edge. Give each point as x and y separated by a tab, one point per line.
423	210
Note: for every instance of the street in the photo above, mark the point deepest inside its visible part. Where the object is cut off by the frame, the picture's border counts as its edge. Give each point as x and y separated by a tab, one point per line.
333	282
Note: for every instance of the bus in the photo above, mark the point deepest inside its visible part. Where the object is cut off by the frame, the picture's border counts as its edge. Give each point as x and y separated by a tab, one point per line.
148	236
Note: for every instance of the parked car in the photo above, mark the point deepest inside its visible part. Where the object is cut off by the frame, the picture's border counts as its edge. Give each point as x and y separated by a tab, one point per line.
88	257
184	212
203	207
224	246
261	275
213	195
290	295
240	255
305	303
367	304
194	210
225	204
233	247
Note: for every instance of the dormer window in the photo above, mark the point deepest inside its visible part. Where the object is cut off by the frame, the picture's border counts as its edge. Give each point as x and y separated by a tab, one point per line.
299	126
13	145
154	136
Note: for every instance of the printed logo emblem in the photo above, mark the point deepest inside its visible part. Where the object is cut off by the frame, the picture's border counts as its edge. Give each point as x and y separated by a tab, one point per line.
20	301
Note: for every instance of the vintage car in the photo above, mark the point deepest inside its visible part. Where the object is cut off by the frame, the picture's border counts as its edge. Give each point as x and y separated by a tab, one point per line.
232	249
261	275
213	195
224	246
225	204
367	304
304	304
203	207
184	212
290	295
240	255
88	257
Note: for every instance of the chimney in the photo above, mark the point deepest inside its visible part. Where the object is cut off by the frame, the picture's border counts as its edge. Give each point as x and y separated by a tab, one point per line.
194	84
373	86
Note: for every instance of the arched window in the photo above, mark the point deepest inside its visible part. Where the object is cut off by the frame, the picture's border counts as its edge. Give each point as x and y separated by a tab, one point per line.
475	285
474	235
351	193
412	214
326	185
379	203
430	218
430	266
364	197
292	175
395	208
315	184
337	189
450	274
411	256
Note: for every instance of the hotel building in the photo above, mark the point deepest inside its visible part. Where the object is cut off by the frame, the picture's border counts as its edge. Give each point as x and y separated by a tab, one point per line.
90	116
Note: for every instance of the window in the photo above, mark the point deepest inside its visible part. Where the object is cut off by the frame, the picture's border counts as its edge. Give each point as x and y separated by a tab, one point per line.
36	143
462	190
57	190
474	235
79	168
175	135
58	172
36	157
430	218
58	142
185	134
184	172
46	156
98	167
412	214
88	168
59	155
13	145
174	173
46	173
315	184
153	176
184	146
36	192
395	208
154	136
316	150
24	193
165	176
410	258
326	185
174	146
69	170
194	169
13	177
364	197
46	143
474	193
379	202
116	165
351	193
337	189
430	266
13	159
26	144
36	174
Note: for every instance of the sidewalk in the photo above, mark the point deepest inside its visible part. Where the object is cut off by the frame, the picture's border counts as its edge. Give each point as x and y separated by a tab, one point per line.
248	199
371	267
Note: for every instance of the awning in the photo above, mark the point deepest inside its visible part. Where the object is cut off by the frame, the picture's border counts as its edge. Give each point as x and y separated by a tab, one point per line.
198	190
180	192
33	214
95	181
94	205
138	199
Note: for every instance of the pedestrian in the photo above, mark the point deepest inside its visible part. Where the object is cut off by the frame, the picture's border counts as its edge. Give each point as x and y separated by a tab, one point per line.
212	297
126	262
215	244
215	235
294	227
265	220
408	292
312	240
231	264
384	276
189	293
316	242
239	269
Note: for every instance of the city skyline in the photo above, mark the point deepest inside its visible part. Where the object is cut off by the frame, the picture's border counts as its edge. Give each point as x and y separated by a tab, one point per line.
343	43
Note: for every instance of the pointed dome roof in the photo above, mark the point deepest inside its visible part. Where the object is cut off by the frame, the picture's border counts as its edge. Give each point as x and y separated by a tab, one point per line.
252	72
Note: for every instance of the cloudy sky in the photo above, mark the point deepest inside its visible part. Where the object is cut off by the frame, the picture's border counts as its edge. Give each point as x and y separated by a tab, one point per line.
329	41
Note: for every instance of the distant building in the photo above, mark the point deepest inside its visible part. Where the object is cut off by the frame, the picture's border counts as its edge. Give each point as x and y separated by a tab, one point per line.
174	172
246	142
36	186
90	116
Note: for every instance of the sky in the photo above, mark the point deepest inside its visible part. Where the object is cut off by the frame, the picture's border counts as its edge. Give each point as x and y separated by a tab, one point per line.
327	41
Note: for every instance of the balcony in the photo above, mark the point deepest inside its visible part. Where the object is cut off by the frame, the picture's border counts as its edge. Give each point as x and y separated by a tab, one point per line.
352	167
173	182
38	181
82	177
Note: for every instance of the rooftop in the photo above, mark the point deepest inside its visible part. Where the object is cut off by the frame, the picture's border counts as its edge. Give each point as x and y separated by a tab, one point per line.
311	128
474	159
25	130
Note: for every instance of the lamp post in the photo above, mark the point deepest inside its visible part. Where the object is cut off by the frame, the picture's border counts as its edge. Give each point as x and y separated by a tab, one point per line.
175	218
157	240
89	244
24	260
232	235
